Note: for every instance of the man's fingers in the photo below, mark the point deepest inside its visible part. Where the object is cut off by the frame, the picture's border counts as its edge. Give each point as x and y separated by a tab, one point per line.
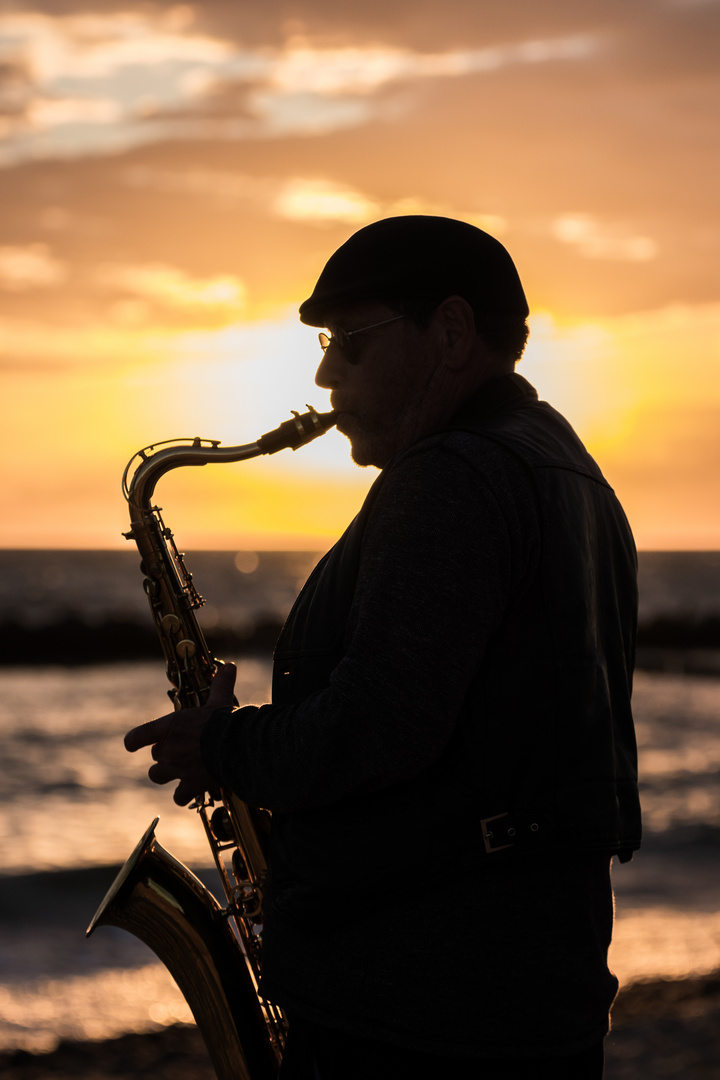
187	790
221	688
221	693
147	734
162	773
175	740
194	786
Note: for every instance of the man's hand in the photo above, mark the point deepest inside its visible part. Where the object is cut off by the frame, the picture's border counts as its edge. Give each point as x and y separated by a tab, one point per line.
175	741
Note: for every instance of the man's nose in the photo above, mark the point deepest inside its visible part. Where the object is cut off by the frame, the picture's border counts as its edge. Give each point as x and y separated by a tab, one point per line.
328	373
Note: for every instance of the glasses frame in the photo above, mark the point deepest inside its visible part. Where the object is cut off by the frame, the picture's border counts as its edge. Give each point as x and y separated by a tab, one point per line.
341	337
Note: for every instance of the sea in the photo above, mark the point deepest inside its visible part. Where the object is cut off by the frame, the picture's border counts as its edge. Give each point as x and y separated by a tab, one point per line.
77	670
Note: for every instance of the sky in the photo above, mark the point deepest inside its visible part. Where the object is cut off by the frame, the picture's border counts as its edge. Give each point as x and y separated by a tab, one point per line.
174	176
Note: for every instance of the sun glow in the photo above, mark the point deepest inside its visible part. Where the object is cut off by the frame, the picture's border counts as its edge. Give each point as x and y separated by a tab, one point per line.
104	393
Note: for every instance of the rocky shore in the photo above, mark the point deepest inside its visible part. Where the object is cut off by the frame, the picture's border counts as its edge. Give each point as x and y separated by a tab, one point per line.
667	1028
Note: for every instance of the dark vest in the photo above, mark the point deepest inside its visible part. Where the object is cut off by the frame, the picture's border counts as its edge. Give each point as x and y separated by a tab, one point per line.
545	743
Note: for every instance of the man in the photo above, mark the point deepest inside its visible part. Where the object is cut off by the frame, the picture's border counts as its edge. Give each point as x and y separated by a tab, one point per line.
449	755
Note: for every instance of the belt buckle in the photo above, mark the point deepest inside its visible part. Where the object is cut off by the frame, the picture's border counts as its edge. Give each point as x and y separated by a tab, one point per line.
487	834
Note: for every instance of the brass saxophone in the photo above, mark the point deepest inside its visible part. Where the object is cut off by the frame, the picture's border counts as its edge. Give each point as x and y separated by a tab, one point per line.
213	953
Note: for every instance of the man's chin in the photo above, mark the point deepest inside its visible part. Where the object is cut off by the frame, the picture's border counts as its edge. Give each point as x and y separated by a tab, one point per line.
364	452
364	449
360	451
360	457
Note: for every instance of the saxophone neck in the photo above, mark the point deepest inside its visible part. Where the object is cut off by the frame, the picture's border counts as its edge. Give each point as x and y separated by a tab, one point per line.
147	466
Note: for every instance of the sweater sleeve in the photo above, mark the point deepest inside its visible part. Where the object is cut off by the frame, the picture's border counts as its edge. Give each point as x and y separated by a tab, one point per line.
446	548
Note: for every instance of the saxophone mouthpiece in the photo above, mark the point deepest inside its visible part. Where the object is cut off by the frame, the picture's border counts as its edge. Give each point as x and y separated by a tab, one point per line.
297	432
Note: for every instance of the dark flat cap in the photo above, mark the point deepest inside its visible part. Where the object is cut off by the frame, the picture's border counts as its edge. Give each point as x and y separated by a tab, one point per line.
420	256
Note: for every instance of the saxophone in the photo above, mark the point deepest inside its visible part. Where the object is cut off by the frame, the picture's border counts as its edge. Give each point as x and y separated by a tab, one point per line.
212	952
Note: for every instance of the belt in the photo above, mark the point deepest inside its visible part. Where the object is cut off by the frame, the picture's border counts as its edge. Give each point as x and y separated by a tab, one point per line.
511	829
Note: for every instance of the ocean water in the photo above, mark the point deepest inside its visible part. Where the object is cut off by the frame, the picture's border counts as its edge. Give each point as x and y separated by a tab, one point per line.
75	803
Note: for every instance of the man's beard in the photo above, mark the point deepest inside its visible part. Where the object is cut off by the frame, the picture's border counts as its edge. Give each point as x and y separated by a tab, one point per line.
365	451
375	445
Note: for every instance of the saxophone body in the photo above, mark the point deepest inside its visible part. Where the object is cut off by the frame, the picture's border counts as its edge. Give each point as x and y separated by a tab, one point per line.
214	953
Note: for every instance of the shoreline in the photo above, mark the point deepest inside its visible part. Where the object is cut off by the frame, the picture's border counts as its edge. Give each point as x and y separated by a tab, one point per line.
660	1028
674	648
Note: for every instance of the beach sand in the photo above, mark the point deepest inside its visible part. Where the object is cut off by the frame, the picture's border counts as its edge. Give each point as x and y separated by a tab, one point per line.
661	1029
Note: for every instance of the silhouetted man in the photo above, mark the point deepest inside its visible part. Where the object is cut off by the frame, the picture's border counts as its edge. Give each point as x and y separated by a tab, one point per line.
449	755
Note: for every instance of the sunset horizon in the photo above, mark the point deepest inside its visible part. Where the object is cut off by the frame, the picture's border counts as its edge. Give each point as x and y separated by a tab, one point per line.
178	175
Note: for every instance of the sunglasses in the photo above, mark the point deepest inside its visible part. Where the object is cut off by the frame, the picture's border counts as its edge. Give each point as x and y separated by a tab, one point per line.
342	338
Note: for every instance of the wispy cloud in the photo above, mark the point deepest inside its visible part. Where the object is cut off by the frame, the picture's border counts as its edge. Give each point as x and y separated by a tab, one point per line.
29	267
151	75
84	47
63	76
313	200
596	240
364	70
52	112
321	200
169	287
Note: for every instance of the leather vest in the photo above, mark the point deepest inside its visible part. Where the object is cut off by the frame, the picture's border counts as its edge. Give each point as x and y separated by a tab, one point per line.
544	752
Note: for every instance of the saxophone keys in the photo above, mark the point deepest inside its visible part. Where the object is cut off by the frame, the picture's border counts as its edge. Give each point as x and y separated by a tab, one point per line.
185	649
170	624
239	866
221	826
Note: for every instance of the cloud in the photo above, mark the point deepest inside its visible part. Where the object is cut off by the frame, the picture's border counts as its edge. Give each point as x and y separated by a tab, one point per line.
311	200
309	89
270	151
64	75
321	200
87	46
597	240
277	114
30	267
170	287
51	112
148	75
364	70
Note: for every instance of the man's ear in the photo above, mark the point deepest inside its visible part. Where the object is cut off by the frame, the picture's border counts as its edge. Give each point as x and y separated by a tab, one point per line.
454	324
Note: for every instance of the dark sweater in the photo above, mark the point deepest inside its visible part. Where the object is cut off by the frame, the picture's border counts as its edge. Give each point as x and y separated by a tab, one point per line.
386	917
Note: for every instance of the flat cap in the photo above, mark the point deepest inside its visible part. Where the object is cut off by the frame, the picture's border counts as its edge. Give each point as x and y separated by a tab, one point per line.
420	256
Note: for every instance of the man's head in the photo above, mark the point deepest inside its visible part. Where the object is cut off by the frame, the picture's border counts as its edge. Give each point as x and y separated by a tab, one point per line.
440	308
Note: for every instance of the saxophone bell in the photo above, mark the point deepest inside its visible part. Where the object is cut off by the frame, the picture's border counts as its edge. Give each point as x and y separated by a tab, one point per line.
158	900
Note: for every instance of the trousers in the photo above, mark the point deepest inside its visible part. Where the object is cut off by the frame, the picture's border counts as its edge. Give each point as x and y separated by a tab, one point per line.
318	1053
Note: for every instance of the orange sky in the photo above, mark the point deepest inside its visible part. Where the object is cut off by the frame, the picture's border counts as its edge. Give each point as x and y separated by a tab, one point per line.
174	175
